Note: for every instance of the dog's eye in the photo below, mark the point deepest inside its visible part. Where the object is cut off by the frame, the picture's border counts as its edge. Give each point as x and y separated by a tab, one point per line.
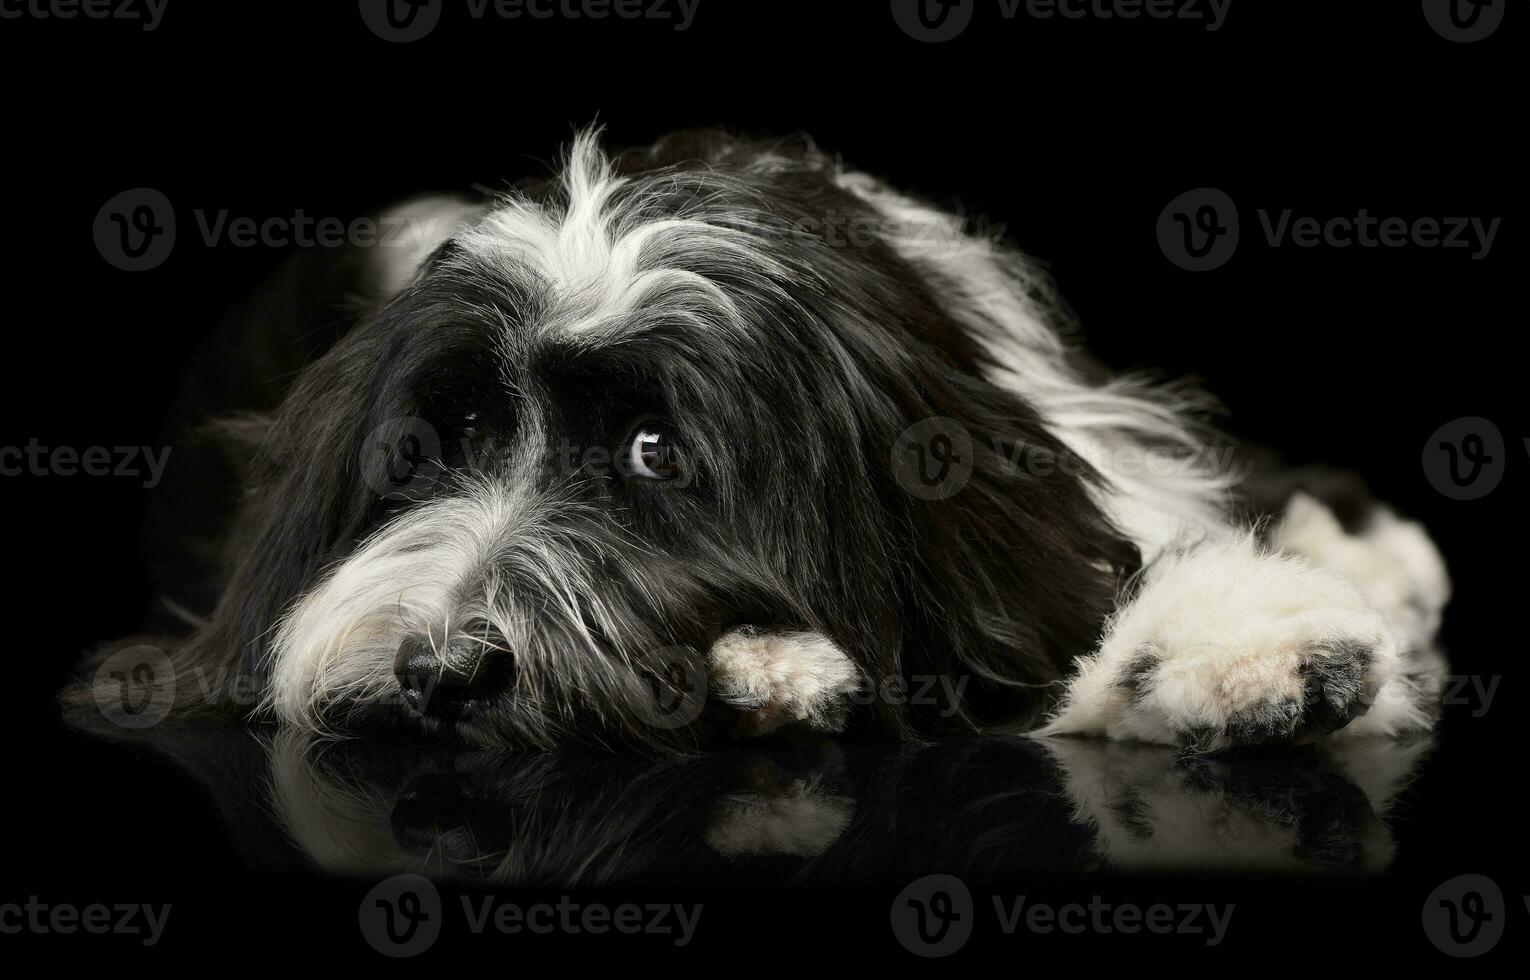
653	453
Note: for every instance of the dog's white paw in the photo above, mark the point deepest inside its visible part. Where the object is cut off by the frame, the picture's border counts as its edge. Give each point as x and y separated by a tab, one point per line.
780	678
1228	645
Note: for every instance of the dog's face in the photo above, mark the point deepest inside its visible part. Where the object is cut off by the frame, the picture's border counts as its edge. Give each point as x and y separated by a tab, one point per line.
621	414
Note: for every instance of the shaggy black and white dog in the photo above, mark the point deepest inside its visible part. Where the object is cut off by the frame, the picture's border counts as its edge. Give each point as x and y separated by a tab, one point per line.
718	437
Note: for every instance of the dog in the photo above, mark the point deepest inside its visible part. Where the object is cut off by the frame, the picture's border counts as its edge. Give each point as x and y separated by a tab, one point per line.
720	438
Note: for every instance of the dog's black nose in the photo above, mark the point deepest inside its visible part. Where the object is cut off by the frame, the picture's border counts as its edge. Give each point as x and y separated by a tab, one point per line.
450	680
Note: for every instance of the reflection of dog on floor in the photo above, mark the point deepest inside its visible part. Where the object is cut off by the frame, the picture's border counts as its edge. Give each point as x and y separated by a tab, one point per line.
814	813
725	414
1323	809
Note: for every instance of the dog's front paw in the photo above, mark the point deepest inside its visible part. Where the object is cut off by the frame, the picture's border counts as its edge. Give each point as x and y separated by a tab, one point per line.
783	678
1215	698
1226	646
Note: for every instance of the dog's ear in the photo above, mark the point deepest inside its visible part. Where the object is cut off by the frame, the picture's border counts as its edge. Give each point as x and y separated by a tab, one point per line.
307	503
264	482
307	489
240	438
1012	562
189	519
1017	567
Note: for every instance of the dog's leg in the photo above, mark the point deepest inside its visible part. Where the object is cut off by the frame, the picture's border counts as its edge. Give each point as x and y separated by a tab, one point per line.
783	677
1228	644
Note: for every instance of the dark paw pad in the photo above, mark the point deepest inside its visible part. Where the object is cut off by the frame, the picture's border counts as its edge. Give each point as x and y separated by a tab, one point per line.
1334	693
1334	689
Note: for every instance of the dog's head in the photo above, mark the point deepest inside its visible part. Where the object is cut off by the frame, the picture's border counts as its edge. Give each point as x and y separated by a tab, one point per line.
706	385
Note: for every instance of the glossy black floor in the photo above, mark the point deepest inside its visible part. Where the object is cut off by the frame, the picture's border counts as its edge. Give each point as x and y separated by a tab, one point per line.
813	813
1073	134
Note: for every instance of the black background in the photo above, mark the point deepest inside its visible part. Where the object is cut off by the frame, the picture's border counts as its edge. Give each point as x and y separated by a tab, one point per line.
1074	135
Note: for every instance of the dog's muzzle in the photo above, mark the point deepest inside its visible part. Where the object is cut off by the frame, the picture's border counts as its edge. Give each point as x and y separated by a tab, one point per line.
449	680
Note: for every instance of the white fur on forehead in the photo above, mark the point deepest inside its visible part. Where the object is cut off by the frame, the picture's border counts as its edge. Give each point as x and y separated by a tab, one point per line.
617	256
613	257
